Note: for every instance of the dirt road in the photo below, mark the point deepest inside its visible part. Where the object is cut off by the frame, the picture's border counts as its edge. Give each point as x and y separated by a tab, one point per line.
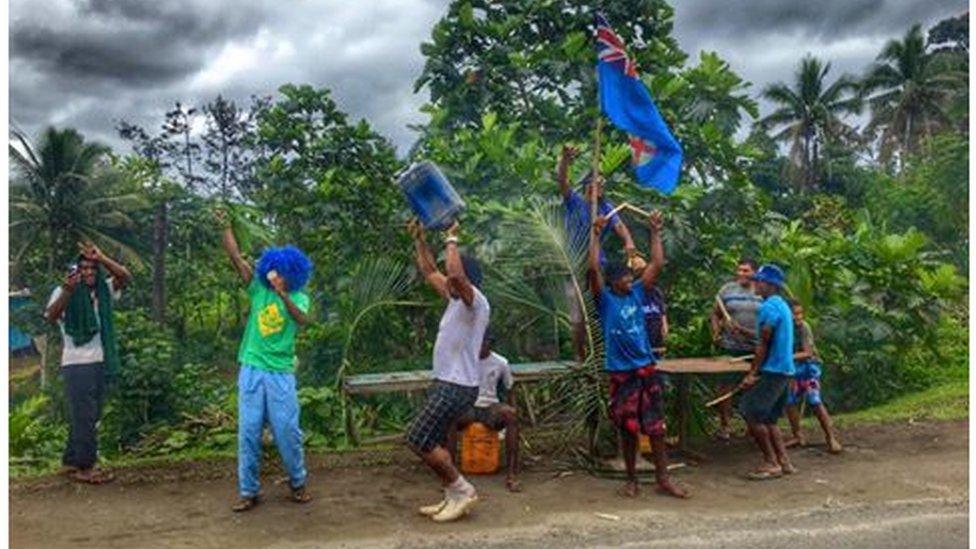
895	486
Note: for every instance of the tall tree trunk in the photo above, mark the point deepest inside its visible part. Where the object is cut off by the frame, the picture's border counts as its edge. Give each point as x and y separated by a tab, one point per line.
159	263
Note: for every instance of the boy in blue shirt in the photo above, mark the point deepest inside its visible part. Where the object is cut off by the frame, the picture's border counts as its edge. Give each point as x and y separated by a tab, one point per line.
768	381
806	384
636	388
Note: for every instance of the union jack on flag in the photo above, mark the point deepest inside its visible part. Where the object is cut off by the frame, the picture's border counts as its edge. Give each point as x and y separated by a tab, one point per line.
610	47
628	104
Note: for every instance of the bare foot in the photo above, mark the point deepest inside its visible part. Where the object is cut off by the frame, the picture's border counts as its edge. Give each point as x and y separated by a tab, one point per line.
791	442
788	468
630	490
723	434
513	485
664	486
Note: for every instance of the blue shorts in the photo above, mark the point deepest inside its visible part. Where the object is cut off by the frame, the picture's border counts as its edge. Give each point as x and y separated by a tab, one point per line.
806	384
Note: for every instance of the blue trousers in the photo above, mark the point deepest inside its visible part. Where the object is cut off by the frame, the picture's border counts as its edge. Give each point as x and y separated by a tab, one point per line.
267	397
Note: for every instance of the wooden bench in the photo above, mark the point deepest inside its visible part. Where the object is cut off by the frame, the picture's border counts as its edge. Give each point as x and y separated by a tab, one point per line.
680	368
418	380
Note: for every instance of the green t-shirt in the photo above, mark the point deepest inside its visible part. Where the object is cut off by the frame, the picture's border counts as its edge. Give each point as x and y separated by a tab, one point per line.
269	338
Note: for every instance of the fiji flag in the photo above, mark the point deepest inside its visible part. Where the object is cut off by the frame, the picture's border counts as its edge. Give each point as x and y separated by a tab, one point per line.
628	104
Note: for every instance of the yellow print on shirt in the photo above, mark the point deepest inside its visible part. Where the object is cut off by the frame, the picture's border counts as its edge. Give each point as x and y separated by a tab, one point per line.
270	320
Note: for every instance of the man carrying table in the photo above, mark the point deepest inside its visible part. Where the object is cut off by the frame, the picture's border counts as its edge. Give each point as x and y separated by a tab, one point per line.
767	384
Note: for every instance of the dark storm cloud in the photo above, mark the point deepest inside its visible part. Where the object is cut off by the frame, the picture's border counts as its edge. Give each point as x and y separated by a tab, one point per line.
764	40
821	20
90	63
132	42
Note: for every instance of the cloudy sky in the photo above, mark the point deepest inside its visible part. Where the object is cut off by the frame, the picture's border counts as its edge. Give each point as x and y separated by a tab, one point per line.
89	63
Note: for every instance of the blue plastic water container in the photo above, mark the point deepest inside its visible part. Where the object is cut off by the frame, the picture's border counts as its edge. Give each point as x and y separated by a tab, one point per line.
430	195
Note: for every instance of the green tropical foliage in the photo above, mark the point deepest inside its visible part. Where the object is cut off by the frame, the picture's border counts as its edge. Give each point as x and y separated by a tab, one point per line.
910	91
62	192
810	115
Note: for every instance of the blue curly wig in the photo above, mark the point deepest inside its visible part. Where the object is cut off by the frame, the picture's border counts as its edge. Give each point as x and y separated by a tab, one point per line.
291	264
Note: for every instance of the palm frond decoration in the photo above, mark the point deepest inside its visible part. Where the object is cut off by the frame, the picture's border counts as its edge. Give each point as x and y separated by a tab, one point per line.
375	283
537	271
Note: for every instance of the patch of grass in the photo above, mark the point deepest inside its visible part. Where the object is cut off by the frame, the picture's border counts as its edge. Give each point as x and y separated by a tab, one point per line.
943	402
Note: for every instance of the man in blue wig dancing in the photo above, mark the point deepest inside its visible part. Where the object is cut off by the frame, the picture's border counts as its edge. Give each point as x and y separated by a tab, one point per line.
266	383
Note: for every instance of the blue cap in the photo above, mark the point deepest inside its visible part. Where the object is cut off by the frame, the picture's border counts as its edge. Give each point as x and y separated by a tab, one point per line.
770	273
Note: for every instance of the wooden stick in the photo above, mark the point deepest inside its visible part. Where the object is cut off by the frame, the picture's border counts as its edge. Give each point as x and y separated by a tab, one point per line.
725	312
595	169
616	210
745	358
637	210
722	398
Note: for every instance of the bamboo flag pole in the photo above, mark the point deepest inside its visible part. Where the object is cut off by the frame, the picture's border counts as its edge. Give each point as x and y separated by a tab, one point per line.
595	164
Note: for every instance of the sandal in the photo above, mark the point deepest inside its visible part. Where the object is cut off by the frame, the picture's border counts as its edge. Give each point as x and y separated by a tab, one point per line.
764	474
245	504
300	495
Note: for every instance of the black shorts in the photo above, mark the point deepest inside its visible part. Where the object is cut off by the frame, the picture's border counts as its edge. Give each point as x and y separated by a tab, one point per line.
765	401
490	416
445	404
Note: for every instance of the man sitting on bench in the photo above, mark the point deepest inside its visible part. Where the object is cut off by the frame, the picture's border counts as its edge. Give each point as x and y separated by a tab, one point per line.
488	409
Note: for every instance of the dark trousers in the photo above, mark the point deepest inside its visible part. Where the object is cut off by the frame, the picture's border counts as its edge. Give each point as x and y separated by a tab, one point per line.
84	388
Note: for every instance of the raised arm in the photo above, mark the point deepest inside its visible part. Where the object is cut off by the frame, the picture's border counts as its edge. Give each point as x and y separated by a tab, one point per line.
456	277
233	251
280	288
566	157
655	223
120	275
425	260
55	310
621	230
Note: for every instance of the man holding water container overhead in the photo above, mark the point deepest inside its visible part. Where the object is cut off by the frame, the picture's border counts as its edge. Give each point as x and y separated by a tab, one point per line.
457	375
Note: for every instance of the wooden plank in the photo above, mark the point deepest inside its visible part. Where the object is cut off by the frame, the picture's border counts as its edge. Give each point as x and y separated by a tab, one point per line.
389	382
417	380
702	365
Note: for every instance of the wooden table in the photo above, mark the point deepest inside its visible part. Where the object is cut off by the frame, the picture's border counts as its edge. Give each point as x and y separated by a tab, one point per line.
682	369
417	380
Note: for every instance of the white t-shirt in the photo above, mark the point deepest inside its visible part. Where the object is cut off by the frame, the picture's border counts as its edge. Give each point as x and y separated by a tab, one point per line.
90	352
459	340
494	367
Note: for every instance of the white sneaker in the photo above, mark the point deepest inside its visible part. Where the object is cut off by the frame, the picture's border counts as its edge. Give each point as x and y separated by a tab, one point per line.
456	508
431	510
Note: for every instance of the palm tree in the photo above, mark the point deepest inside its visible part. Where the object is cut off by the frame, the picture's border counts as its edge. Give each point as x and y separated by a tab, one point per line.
60	193
909	91
811	114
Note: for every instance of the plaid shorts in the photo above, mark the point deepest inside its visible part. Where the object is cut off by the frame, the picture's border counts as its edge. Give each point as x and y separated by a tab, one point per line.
637	401
490	416
445	404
